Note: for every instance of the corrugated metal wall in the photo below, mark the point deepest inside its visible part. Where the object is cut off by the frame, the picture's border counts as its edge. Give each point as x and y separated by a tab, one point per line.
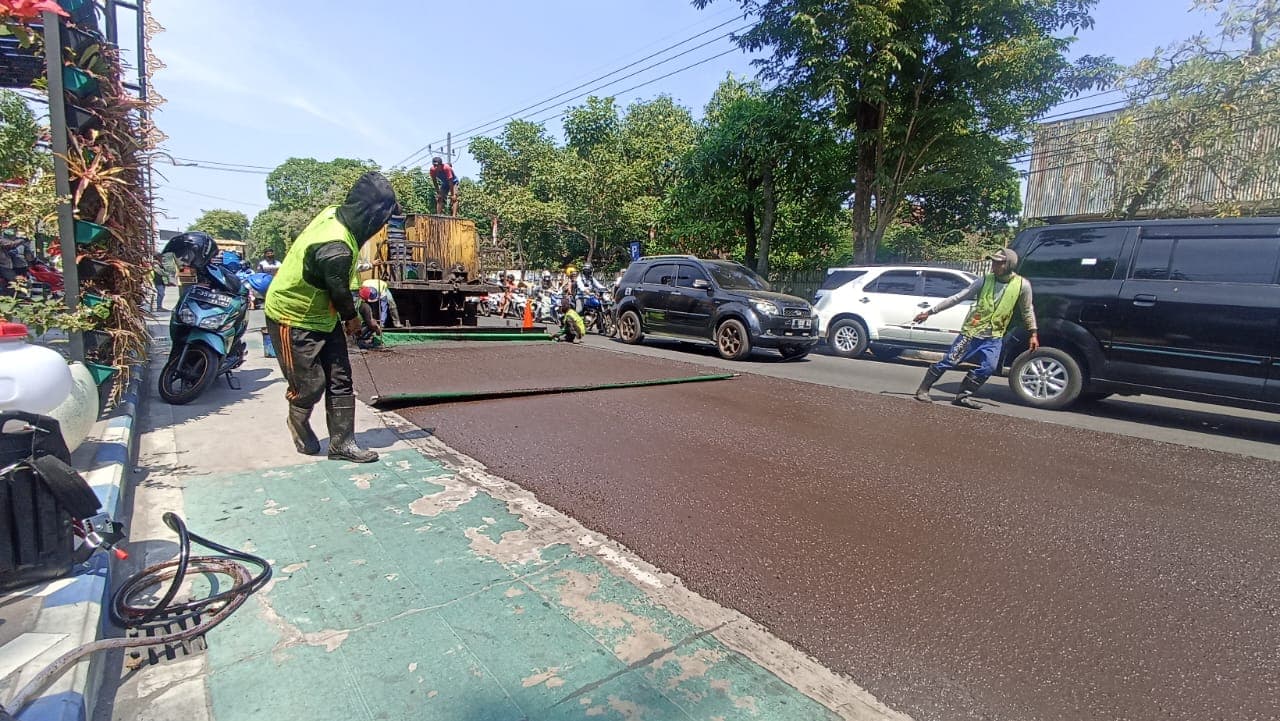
1070	178
440	238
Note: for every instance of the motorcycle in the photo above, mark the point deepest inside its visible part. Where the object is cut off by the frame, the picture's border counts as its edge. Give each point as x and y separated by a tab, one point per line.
41	272
597	312
207	329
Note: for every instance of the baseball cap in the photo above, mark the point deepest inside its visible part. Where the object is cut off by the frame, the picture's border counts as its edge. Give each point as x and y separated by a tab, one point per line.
1005	254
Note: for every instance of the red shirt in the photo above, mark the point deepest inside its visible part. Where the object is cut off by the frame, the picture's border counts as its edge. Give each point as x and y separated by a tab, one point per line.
443	172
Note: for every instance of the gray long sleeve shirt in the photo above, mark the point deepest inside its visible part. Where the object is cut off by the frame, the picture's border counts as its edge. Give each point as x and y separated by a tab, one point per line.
1025	305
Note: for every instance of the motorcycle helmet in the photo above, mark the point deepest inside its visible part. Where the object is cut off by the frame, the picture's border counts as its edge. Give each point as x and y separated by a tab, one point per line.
586	271
368	294
194	249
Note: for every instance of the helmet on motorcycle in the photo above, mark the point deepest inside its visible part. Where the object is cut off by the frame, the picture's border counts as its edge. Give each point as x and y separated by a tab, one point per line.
194	249
368	294
586	270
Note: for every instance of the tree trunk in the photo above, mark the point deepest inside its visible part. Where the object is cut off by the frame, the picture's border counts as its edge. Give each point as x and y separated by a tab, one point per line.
749	221
768	214
869	119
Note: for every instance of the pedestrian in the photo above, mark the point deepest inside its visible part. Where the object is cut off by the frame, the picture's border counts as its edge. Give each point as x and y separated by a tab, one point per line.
159	278
7	276
311	309
997	296
446	182
386	302
269	264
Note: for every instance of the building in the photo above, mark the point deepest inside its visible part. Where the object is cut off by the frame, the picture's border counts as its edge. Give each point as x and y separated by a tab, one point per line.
1073	174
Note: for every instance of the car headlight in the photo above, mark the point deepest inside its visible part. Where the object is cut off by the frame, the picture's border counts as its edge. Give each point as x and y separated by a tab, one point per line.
213	322
765	307
186	316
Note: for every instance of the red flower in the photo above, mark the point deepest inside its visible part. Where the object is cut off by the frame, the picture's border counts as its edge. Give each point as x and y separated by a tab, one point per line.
29	9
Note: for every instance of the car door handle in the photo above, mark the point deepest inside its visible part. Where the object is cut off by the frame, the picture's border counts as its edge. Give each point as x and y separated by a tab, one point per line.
925	304
1144	300
674	292
864	299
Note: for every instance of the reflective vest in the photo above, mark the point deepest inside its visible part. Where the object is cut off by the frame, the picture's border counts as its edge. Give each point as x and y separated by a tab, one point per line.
988	317
291	300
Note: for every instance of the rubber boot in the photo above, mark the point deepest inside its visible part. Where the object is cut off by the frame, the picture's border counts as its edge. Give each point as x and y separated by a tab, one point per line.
931	376
968	387
341	413
304	439
394	313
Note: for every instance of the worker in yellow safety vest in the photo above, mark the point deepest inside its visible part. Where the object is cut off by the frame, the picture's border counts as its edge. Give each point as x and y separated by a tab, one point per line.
310	310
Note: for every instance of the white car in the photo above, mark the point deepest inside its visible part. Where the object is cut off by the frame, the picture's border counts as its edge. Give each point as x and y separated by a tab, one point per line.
873	306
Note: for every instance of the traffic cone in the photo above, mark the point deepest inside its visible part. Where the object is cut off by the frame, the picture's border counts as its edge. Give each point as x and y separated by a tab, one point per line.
528	315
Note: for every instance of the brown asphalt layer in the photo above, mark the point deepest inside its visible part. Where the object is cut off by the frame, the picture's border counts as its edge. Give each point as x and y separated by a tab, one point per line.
958	564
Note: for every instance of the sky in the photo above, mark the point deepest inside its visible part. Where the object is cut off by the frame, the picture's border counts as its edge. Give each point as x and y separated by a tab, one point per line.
249	84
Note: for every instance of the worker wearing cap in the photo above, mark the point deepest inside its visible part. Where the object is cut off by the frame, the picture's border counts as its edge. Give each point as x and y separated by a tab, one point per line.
386	302
998	297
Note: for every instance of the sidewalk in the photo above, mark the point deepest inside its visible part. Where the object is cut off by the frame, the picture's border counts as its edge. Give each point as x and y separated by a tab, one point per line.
424	587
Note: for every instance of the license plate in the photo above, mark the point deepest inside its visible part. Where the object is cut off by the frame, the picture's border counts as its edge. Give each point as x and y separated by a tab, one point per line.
801	323
207	296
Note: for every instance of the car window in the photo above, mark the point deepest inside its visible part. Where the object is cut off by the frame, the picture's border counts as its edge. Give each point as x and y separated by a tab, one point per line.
687	274
633	274
897	282
837	278
1224	260
735	276
944	285
661	274
1152	259
1082	253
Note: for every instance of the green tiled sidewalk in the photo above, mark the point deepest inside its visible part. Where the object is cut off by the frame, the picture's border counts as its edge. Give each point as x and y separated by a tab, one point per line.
397	596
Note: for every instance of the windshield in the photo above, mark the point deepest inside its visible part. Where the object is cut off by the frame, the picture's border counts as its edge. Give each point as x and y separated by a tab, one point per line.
732	276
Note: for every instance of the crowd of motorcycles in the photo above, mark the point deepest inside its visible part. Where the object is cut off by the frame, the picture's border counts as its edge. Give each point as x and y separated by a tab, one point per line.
594	305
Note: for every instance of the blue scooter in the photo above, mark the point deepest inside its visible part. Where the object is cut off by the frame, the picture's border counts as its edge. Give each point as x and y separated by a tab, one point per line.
207	329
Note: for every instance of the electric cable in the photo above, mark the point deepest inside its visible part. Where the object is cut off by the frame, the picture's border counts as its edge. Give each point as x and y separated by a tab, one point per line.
157	617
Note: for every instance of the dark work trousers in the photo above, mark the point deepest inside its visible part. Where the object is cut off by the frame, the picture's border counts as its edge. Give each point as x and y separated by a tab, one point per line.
314	363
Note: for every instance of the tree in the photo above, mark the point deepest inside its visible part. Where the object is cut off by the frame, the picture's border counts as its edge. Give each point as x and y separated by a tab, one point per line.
310	184
923	85
223	224
414	190
1205	108
756	160
19	133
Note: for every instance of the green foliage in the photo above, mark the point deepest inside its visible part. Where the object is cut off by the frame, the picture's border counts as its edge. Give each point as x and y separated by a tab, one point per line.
1207	107
414	190
223	224
41	314
31	208
19	132
308	184
927	88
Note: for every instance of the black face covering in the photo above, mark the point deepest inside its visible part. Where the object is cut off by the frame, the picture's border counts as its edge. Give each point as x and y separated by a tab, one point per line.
369	206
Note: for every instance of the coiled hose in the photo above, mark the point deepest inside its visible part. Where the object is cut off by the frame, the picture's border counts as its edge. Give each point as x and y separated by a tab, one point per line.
219	605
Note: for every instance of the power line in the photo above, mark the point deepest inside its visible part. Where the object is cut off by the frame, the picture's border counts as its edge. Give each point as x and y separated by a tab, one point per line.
217	162
483	126
213	197
199	166
618	92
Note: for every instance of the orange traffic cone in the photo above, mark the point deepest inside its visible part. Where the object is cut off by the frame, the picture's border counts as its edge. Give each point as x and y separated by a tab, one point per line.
528	315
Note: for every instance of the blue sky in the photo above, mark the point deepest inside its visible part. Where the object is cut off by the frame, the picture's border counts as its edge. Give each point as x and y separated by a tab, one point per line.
252	83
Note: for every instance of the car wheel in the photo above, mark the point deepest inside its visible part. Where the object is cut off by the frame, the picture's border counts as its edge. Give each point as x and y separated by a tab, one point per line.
1046	378
886	354
848	338
629	330
732	340
793	352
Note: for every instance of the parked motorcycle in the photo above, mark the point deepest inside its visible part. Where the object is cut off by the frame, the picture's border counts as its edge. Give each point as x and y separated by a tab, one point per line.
41	272
208	323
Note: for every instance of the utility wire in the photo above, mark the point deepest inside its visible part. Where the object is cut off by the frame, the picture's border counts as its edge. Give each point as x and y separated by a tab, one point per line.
484	126
212	197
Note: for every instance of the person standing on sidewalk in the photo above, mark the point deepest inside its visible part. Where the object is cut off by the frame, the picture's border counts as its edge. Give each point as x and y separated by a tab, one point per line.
160	278
311	302
998	296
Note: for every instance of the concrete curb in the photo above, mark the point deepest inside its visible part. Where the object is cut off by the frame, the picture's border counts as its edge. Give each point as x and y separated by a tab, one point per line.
72	607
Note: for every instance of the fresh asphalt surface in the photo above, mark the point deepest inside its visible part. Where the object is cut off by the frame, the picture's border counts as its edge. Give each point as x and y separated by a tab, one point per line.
958	564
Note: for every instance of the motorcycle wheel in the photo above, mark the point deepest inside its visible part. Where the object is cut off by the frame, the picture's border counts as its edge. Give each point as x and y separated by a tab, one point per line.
608	326
179	386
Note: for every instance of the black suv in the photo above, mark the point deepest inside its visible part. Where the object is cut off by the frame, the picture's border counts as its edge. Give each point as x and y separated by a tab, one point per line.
1182	308
717	301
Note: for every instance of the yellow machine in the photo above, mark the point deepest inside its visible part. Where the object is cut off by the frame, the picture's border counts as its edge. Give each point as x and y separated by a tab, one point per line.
432	264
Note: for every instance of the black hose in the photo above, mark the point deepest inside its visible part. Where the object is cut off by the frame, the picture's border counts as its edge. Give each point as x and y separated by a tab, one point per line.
219	606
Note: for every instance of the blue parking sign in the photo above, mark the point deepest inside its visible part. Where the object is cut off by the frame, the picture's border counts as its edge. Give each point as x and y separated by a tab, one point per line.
635	250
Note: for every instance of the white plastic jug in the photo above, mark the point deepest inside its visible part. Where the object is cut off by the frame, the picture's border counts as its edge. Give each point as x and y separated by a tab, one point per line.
32	378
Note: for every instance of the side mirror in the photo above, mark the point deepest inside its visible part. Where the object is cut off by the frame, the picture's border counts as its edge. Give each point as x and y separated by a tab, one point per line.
702	284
